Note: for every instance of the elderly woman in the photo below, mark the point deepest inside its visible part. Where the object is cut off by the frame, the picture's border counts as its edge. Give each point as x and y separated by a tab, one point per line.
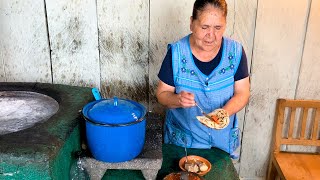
206	69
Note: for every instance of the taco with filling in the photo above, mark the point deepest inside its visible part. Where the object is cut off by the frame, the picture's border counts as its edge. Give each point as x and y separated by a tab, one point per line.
220	117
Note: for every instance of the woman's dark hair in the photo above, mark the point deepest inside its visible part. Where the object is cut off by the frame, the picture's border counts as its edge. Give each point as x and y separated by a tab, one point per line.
199	5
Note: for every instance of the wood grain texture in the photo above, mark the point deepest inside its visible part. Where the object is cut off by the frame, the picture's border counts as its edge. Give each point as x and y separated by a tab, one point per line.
275	67
244	25
74	42
243	28
123	41
294	163
24	51
232	15
299	166
169	21
309	86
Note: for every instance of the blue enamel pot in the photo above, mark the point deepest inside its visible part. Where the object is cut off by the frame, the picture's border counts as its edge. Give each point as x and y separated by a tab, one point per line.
115	129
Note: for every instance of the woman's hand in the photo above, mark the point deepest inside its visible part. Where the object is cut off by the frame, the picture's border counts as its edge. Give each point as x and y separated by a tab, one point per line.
186	99
166	96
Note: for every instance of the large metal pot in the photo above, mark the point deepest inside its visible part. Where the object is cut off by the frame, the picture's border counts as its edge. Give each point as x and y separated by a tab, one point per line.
115	129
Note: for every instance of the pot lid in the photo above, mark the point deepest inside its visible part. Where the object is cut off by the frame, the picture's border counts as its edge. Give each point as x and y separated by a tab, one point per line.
115	111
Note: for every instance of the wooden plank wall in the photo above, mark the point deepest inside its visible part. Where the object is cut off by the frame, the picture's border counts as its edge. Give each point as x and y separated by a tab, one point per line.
277	52
72	28
243	26
24	50
167	24
118	46
309	75
123	41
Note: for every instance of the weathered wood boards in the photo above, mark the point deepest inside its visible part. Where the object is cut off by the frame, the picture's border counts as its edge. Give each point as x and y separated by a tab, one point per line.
309	75
167	24
24	50
73	33
243	30
123	41
278	44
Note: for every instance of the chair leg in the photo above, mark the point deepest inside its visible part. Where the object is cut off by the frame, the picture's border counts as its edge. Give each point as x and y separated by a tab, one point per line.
271	171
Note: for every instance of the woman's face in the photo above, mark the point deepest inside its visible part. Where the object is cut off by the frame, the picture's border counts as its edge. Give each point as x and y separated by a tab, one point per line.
208	28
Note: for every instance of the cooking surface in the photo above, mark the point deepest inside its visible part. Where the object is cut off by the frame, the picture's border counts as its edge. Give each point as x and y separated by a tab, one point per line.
44	150
51	133
22	109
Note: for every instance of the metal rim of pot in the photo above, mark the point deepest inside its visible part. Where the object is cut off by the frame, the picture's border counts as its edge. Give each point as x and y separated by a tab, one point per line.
116	100
115	125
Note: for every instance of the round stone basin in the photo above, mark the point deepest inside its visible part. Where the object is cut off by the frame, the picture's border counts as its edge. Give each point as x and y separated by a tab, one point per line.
23	109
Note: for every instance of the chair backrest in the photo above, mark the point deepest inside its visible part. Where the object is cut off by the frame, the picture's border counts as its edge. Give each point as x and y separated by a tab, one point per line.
297	123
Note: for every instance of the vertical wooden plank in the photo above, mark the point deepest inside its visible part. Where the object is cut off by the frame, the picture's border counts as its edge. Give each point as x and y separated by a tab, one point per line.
279	120
123	41
308	84
242	25
277	48
24	51
304	124
230	30
169	21
292	122
316	125
74	42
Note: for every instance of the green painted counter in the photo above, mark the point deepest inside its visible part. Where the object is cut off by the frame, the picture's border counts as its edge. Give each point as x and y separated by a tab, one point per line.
44	151
222	166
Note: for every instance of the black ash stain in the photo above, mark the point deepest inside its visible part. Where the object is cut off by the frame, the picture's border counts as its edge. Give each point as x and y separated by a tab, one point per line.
137	92
75	34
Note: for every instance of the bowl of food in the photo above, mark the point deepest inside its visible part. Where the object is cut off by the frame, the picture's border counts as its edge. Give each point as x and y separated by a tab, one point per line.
195	164
183	175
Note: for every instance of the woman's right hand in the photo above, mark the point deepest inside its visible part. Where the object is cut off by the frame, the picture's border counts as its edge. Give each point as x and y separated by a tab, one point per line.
186	99
166	96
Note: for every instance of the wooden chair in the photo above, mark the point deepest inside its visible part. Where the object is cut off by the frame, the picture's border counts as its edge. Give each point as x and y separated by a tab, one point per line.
297	127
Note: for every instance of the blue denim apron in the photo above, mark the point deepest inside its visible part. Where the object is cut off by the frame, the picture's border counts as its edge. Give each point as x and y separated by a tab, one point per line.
211	92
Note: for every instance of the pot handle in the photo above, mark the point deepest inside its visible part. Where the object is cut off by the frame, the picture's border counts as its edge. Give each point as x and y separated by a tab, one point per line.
115	101
96	93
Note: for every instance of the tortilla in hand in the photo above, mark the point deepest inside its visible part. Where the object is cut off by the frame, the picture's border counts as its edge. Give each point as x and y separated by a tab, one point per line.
221	116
